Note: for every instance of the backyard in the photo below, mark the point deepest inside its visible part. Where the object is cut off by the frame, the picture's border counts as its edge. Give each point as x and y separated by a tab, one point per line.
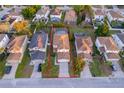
24	70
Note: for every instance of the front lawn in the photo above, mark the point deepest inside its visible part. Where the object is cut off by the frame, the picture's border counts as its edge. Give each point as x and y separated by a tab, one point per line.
49	69
24	70
54	69
100	69
121	62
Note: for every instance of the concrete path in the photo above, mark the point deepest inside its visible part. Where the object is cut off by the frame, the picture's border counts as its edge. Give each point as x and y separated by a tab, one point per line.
12	73
86	72
36	74
63	69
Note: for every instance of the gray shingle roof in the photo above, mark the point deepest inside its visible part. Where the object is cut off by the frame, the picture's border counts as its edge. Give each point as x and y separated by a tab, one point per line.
34	41
38	55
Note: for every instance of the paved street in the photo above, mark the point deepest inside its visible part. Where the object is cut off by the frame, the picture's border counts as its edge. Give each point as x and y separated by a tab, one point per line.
64	83
63	70
86	72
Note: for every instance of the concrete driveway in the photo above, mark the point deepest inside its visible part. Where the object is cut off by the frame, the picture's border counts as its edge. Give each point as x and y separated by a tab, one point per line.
119	72
12	73
36	74
63	70
86	72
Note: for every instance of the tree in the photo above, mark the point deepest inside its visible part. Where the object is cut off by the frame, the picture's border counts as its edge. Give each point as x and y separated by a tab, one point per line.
79	64
30	11
103	29
22	27
82	11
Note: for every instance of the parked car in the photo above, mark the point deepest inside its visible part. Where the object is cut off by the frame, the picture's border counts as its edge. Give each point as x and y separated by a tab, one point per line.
114	68
39	68
8	69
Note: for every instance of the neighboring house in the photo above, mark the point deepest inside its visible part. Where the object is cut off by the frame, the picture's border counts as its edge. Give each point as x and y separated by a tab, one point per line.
16	49
70	17
4	26
61	45
115	16
99	15
56	15
42	14
108	48
4	40
84	46
38	46
119	39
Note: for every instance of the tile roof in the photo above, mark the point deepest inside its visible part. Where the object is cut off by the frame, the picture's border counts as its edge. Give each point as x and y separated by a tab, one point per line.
38	55
115	14
85	56
4	26
108	42
63	55
70	16
56	11
43	10
99	12
61	39
112	56
38	40
84	43
121	37
17	43
14	57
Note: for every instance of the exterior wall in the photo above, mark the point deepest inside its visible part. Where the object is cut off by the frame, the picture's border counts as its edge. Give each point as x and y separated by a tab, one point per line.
63	50
37	61
63	60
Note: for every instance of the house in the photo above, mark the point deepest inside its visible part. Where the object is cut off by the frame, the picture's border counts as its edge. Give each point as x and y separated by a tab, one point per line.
56	15
42	14
70	17
4	39
16	49
119	40
4	26
115	16
84	46
38	46
99	14
15	13
61	45
108	48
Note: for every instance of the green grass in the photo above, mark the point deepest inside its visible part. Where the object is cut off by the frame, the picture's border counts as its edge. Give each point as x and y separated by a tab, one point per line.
54	69
114	32
2	66
95	68
24	70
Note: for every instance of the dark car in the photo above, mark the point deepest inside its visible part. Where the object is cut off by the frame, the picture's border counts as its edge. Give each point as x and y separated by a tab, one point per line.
113	68
8	69
39	68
